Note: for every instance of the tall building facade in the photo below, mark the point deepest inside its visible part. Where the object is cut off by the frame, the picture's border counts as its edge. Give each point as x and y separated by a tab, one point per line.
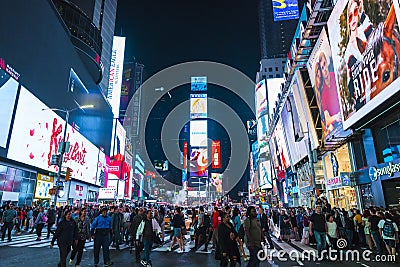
103	14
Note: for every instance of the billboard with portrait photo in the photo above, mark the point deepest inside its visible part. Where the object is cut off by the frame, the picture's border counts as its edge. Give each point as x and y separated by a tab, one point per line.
322	75
198	106
365	51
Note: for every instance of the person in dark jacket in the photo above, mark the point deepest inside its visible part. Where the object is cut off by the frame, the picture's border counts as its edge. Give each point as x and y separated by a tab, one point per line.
66	234
83	226
227	239
101	230
134	226
51	220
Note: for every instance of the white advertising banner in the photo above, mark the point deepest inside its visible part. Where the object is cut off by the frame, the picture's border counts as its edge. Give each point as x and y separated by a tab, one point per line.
116	70
37	133
8	92
118	139
198	133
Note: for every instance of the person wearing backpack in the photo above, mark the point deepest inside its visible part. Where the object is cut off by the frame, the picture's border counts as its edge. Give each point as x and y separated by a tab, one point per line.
389	233
41	220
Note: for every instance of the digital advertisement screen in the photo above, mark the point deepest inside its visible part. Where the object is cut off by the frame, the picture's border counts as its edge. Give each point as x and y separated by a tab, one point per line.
262	128
322	75
285	9
216	179
279	151
198	133
118	138
8	93
102	172
265	175
115	77
198	162
365	49
37	133
198	84
274	88
198	106
261	99
216	154
43	184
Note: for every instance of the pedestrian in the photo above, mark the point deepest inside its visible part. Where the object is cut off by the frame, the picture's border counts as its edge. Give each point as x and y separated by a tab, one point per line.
101	230
252	228
373	221
83	228
389	233
134	226
216	220
349	226
117	227
51	220
8	218
177	223
66	234
284	224
333	231
227	237
146	231
29	218
201	230
127	225
40	221
318	229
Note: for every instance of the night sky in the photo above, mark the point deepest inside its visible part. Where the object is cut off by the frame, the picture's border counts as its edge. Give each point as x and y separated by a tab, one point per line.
164	33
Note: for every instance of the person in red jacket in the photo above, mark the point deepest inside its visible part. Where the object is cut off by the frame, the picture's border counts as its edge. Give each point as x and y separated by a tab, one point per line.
216	221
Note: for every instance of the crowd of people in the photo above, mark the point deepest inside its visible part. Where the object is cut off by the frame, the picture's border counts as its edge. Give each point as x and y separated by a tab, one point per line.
234	232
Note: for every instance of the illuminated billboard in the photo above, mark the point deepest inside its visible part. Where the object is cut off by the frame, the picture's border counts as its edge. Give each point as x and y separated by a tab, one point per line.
118	139
216	154
43	184
279	151
8	93
115	77
198	84
285	9
198	162
274	88
198	133
261	99
198	106
322	75
216	180
265	175
365	52
37	133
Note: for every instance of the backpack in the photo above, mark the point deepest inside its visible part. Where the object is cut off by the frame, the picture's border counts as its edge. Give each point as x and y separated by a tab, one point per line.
388	229
207	221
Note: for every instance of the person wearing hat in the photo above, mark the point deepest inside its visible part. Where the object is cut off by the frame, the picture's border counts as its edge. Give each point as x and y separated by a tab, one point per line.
101	230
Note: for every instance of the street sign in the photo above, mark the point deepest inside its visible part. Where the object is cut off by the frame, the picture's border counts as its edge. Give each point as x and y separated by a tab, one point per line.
55	159
60	183
61	188
61	145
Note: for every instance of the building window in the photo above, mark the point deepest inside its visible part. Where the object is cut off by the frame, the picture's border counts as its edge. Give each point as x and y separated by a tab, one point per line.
278	75
271	76
270	69
276	69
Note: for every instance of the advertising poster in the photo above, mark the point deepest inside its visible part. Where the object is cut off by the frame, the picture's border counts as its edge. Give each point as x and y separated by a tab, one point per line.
274	89
198	162
198	133
255	155
261	99
279	151
127	88
37	133
118	139
216	154
115	77
216	179
365	51
198	106
285	9
322	75
8	93
43	184
198	84
265	175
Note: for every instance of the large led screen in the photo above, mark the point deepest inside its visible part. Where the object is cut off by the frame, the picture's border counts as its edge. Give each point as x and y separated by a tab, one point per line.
198	162
118	138
320	68
198	84
8	92
198	106
274	88
365	52
261	99
43	185
216	179
285	9
279	151
37	133
198	133
265	175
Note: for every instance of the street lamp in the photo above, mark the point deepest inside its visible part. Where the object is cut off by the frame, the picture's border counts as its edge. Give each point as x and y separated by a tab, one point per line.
67	112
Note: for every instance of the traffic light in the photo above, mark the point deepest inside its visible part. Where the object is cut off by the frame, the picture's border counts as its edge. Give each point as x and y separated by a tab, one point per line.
68	174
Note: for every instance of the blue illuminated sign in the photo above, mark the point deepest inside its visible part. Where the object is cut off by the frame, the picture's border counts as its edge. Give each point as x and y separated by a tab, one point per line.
285	9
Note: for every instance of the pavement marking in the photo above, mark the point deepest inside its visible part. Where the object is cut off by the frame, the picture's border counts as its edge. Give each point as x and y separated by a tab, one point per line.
365	265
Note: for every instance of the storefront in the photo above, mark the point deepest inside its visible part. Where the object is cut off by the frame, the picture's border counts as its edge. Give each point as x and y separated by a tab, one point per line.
17	185
337	172
77	193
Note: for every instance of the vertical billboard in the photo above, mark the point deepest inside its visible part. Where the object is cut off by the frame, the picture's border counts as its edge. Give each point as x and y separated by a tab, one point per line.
118	139
198	133
322	75
279	151
265	175
43	184
274	89
285	9
198	162
216	179
198	106
216	154
115	78
8	93
261	99
198	84
365	50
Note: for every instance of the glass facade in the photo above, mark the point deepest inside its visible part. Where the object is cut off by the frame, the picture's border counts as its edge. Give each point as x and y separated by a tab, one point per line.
18	181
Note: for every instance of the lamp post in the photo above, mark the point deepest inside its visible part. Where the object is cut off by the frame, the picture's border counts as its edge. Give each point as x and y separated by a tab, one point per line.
63	146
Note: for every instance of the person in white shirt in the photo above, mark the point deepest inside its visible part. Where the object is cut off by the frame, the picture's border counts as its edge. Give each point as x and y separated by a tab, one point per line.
333	232
389	233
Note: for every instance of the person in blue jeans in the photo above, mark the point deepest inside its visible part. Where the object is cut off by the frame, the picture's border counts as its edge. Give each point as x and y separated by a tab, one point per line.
146	232
101	230
318	228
